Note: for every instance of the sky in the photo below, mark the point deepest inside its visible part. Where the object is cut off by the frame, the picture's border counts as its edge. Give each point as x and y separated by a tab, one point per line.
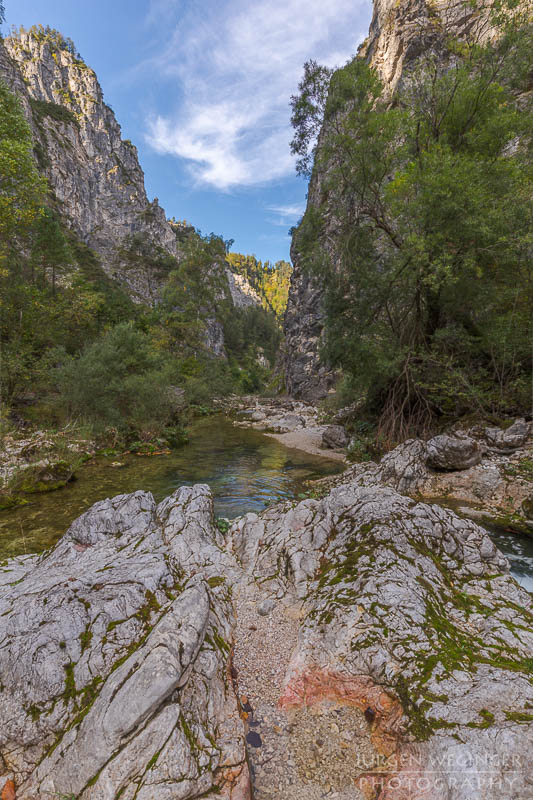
203	87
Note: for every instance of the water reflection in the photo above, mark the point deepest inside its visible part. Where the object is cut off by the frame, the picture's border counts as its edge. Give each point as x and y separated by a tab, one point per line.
518	549
246	471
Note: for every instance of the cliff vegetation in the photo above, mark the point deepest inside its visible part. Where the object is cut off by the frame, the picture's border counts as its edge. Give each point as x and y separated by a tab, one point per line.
420	227
111	316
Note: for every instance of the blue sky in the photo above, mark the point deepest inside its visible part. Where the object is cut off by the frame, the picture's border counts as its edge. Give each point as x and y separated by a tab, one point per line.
202	88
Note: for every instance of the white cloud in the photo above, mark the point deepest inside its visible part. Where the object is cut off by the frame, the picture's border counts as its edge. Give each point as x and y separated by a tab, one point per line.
286	215
236	64
290	212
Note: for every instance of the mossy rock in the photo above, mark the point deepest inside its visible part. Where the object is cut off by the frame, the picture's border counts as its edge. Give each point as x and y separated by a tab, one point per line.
45	477
527	507
10	501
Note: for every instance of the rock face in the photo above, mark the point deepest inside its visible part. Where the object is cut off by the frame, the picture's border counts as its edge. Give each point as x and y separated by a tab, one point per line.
410	618
411	653
399	33
116	644
242	293
95	175
93	172
306	377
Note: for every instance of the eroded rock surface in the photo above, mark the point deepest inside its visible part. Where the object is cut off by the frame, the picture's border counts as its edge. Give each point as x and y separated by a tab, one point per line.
464	469
409	618
114	658
452	452
93	172
380	646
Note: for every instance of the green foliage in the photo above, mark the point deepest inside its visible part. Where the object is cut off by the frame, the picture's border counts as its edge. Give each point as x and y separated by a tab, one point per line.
119	380
54	39
248	329
50	252
58	296
193	293
74	344
59	113
429	292
138	251
270	281
21	187
308	108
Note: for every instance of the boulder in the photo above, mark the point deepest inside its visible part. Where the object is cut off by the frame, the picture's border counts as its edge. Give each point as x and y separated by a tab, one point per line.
410	617
334	437
286	423
114	658
451	453
404	468
509	439
44	476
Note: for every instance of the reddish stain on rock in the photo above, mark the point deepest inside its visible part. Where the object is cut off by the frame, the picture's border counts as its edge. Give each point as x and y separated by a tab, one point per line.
402	776
313	686
237	784
9	791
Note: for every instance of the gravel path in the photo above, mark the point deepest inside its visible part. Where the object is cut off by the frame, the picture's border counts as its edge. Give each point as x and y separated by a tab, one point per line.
306	754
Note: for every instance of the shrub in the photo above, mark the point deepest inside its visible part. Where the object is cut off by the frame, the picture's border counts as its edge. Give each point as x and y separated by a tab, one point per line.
119	380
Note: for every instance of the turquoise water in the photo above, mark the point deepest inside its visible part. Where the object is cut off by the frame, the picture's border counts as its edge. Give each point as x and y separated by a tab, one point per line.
245	469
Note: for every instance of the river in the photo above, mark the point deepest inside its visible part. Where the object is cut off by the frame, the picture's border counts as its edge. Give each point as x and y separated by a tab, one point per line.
246	471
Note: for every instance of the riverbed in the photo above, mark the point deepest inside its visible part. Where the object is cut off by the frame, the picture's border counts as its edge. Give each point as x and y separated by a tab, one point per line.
246	470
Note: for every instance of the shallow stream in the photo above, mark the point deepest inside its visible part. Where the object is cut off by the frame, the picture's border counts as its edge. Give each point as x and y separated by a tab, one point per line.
246	471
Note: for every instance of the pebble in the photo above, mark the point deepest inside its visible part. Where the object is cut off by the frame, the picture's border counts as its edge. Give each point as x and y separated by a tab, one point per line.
300	755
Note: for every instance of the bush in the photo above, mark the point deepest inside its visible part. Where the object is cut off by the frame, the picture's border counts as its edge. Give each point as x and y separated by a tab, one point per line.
120	381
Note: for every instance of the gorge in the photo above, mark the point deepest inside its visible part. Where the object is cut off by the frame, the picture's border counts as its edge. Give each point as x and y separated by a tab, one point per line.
252	545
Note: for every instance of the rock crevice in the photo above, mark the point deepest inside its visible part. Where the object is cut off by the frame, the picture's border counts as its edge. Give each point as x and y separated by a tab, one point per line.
368	631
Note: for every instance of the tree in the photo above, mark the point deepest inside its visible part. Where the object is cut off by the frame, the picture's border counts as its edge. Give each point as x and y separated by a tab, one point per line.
270	281
429	281
50	251
21	187
21	195
192	293
119	380
308	108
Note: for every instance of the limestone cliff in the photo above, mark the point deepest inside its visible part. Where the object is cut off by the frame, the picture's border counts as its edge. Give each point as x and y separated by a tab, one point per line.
94	174
400	32
96	181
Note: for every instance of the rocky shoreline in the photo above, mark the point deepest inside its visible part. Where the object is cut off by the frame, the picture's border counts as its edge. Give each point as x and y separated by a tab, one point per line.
342	647
484	472
294	424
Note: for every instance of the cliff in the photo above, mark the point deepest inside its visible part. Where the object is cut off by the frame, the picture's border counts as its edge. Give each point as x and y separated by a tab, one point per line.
94	174
400	32
96	181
